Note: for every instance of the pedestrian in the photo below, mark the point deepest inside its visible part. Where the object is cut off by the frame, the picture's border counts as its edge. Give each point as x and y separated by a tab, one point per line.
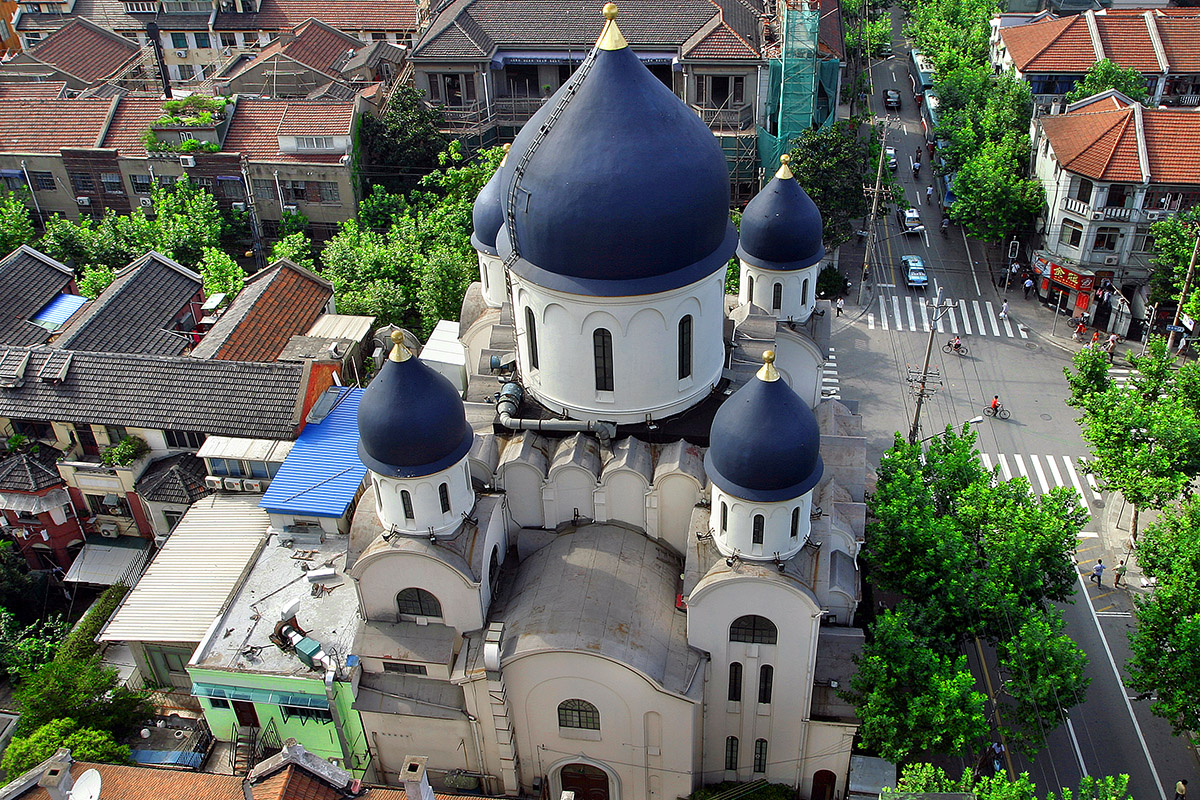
1183	343
1028	287
929	195
1098	572
1095	339
1181	790
1119	574
1110	347
839	305
1004	310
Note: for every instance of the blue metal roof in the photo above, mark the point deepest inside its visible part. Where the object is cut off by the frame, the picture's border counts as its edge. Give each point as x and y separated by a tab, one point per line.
321	476
59	310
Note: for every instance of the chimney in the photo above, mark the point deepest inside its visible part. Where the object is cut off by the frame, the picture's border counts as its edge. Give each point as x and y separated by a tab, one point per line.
57	779
416	783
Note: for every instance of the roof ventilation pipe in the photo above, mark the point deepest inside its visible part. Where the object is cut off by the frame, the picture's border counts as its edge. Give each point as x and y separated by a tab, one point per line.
509	400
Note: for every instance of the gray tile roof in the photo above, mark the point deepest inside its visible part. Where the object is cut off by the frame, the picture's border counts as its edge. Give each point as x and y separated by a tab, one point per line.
175	479
111	14
136	311
28	281
30	472
471	29
228	398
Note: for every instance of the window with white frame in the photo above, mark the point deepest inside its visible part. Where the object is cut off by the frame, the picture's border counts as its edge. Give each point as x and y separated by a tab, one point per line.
112	183
1071	233
140	8
314	142
1106	239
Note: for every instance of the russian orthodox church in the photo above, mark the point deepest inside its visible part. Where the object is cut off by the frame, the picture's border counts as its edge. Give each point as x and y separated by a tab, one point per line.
622	562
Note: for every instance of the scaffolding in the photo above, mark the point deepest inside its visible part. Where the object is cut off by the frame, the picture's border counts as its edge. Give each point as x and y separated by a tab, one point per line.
795	100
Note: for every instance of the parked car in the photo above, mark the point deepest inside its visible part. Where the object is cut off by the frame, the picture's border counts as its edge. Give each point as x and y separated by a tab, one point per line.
914	272
910	220
891	100
892	163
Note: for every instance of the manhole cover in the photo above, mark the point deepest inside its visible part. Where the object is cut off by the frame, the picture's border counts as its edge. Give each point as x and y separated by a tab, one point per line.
1030	346
1046	417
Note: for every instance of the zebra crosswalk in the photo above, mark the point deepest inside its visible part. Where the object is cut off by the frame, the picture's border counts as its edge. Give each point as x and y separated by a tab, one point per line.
830	386
964	317
1045	472
1120	375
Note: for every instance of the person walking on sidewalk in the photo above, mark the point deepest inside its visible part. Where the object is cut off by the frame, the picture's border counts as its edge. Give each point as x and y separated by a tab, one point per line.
1181	790
1119	574
929	196
1028	287
839	305
1098	572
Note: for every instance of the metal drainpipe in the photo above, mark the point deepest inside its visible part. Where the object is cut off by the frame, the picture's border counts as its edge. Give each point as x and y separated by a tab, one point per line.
330	695
509	401
32	193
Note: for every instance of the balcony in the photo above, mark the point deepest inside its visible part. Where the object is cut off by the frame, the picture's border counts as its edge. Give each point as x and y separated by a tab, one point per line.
516	110
1106	214
1079	207
739	118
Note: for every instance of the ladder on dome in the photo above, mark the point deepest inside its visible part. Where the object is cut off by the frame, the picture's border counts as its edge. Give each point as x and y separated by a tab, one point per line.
510	214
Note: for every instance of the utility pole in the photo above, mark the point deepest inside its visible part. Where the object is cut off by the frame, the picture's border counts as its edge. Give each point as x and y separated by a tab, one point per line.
866	267
1187	284
921	380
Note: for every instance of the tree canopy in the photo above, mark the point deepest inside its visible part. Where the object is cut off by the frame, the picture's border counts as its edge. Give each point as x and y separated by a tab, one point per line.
16	226
830	163
1174	238
922	778
1106	74
84	691
402	146
86	744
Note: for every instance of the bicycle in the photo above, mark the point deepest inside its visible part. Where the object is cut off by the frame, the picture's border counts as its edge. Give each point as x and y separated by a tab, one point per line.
949	347
999	412
1082	319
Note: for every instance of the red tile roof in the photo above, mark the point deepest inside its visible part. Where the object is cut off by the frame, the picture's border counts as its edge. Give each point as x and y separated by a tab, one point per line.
1065	45
1057	45
320	46
29	90
1126	40
143	783
258	123
1173	141
353	15
723	42
133	117
85	50
46	126
1181	41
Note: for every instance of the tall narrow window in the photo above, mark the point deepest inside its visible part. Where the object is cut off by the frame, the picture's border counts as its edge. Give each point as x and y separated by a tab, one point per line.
406	501
777	297
602	348
685	347
766	679
759	523
724	516
760	755
749	288
735	681
804	292
731	753
444	496
531	337
796	523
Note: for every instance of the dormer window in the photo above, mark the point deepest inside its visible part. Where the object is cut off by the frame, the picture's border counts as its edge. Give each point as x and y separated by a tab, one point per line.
314	142
140	8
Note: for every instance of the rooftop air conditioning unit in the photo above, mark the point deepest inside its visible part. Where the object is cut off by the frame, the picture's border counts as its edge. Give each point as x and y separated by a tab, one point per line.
145	202
289	209
233	484
213	482
1110	261
1097	215
187	161
1153	215
181	53
238	206
83	201
109	530
252	486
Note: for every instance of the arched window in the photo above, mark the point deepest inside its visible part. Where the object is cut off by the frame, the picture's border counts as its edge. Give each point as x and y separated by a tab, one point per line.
735	681
418	603
444	496
753	629
796	522
777	297
493	570
531	337
759	523
804	292
766	680
602	351
731	754
685	347
760	755
406	501
578	714
724	516
749	288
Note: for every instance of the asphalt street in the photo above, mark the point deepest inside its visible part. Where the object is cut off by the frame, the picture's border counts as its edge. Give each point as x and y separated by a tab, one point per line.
881	343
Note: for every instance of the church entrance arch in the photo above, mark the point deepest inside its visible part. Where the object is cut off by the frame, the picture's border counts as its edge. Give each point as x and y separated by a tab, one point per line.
824	783
586	781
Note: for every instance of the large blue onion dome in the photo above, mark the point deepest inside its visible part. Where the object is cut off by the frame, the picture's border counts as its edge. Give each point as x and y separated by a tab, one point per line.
488	213
411	421
619	188
765	444
781	226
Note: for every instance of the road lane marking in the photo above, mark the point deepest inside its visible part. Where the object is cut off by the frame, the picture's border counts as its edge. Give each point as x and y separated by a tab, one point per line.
1041	476
979	318
950	316
991	313
924	316
962	306
912	320
1075	480
1021	468
1004	470
896	306
987	461
1089	535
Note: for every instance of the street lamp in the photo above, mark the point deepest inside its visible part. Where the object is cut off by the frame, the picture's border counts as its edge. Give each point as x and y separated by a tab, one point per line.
971	421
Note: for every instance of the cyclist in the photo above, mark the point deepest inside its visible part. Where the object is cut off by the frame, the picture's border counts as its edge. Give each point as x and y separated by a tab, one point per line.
916	169
945	226
995	404
1080	331
956	344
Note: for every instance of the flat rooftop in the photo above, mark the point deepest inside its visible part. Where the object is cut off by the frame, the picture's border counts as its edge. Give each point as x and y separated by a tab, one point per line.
240	641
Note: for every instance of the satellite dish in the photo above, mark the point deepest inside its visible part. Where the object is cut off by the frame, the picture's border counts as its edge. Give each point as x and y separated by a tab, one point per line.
87	787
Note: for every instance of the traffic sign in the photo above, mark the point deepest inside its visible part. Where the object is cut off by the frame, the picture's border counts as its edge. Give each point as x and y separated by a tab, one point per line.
1175	328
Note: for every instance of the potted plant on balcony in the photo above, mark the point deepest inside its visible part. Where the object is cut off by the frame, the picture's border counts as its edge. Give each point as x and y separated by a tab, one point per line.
125	452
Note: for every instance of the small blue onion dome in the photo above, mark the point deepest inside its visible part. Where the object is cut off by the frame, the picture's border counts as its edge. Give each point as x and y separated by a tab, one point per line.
781	226
488	213
411	421
627	191
765	444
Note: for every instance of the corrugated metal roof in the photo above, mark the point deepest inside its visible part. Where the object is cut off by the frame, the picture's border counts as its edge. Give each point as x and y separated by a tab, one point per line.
195	573
59	310
322	474
341	326
250	449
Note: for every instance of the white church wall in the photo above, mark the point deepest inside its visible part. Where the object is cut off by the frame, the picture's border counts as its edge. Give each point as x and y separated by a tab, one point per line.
829	747
645	349
675	495
646	756
797	290
712	608
491	274
428	512
621	496
394	737
522	484
569	492
383	575
801	363
733	519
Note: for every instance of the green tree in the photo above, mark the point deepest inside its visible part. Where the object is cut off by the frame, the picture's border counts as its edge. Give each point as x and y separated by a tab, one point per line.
1174	238
95	280
922	778
25	648
993	198
296	248
402	146
18	585
16	226
221	273
86	744
292	222
1165	645
84	691
1106	74
187	220
831	164
380	210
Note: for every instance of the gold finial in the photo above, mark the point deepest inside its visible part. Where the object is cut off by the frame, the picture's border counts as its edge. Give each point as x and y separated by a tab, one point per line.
399	351
785	172
611	37
506	149
768	372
